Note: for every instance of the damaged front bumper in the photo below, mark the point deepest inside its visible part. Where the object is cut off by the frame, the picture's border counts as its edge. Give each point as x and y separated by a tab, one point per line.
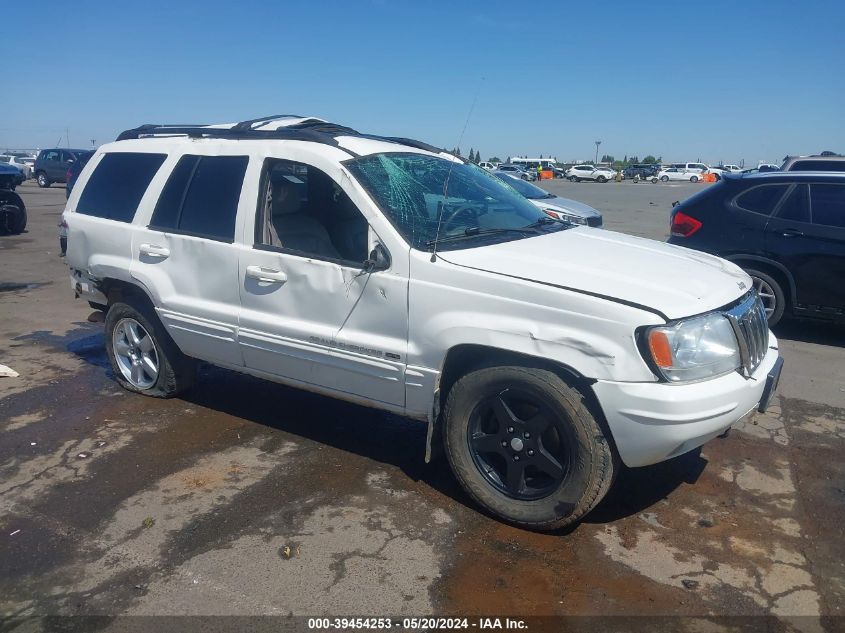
653	422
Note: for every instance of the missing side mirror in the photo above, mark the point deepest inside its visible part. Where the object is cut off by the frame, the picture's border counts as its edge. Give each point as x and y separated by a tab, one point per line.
379	259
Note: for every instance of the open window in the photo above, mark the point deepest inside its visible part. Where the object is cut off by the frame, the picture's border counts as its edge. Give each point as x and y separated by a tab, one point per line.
304	211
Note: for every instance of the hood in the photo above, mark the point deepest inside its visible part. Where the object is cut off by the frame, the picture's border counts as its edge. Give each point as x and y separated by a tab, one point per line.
565	205
672	280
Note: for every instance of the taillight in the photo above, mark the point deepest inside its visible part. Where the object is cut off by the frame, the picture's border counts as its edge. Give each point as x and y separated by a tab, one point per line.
684	225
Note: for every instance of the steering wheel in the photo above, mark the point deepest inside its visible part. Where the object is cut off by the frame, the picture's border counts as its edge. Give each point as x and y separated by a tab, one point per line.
445	223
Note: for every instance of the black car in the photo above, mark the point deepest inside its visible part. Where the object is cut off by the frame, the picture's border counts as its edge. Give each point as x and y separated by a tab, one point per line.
785	229
76	169
643	171
12	212
52	165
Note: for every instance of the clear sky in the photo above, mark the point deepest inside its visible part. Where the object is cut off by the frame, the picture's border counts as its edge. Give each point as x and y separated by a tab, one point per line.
686	80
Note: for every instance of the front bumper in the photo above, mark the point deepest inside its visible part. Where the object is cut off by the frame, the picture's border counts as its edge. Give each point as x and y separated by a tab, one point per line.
652	422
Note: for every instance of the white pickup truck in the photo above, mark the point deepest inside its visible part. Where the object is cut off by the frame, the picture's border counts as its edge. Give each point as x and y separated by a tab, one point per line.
382	271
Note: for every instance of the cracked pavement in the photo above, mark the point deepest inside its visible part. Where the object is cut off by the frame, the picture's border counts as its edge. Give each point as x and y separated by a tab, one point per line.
245	497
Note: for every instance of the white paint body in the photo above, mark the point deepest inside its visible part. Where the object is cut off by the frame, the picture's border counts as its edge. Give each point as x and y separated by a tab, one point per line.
589	172
575	297
678	173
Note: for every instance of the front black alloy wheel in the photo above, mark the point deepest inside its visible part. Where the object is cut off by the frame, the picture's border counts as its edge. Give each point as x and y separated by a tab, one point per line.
525	446
518	445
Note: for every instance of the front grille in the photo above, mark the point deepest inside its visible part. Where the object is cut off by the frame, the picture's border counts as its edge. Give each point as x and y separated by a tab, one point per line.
751	326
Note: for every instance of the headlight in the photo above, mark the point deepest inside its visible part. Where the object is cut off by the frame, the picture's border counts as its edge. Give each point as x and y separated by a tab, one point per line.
694	349
566	217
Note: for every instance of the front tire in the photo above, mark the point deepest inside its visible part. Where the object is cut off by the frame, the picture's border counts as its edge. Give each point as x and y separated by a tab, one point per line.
523	445
143	357
601	179
43	181
693	179
664	179
771	294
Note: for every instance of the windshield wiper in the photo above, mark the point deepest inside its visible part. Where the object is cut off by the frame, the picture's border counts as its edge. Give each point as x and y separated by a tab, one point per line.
543	221
474	231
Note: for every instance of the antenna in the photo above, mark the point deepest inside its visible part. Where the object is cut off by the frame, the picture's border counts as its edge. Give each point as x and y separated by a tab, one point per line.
441	206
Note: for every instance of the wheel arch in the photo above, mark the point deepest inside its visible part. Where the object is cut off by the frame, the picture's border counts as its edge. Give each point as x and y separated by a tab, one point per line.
778	271
466	357
117	289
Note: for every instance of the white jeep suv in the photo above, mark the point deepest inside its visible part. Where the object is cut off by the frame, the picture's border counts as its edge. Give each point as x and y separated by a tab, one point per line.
382	271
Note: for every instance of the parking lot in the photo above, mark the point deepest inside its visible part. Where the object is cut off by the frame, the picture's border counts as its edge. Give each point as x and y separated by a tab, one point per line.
246	497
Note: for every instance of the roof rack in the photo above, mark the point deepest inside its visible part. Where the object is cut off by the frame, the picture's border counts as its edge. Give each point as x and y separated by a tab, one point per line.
309	129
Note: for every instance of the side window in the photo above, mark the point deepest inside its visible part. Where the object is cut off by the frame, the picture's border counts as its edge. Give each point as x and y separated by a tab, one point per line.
117	185
66	156
828	205
796	207
304	210
201	197
762	199
52	155
818	165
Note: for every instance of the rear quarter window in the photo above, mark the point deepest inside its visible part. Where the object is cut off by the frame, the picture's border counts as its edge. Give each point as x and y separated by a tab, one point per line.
117	185
761	199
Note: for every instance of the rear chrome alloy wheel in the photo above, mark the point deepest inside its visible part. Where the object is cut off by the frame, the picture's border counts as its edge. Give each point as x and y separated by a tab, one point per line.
767	295
135	353
518	445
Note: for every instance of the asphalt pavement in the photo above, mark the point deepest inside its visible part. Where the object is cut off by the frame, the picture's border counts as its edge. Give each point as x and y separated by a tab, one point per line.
245	497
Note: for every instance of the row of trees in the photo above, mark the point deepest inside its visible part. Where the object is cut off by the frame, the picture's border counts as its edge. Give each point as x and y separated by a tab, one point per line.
475	157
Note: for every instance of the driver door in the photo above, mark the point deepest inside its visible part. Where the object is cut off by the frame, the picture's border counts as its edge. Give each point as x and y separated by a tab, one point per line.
311	314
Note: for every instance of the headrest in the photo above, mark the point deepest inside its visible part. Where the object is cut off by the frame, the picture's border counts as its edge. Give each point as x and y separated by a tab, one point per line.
285	200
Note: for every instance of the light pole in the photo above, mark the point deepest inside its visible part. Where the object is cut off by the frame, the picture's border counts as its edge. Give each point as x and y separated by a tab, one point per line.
597	152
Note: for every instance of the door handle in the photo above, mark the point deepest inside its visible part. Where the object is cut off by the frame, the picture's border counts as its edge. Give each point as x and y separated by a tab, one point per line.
269	275
792	233
151	250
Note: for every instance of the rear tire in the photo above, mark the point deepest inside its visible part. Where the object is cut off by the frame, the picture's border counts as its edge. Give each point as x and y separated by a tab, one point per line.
143	357
561	468
771	294
43	181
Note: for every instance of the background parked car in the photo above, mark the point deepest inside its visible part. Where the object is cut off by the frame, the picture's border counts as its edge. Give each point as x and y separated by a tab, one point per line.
16	161
697	168
487	166
554	206
12	211
52	165
786	229
734	169
10	177
578	173
518	171
75	169
814	163
676	173
644	171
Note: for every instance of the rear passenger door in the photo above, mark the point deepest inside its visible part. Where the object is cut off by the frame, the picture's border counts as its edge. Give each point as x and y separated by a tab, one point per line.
807	235
184	255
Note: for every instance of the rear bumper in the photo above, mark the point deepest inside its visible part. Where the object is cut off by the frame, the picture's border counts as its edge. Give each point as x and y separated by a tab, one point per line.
652	422
84	288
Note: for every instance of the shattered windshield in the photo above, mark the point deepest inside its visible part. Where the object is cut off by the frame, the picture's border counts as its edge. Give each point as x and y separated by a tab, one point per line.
473	207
